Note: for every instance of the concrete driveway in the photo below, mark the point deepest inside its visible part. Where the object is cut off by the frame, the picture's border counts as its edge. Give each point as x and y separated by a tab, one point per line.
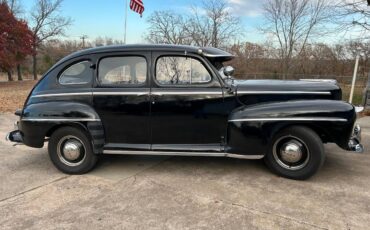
127	192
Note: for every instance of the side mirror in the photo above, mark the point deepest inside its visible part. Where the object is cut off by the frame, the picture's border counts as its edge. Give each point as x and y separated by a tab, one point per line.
228	71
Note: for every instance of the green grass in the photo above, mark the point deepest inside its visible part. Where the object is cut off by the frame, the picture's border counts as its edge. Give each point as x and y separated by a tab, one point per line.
357	95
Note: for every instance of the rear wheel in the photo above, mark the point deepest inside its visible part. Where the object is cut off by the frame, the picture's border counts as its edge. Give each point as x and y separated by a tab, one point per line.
70	150
296	153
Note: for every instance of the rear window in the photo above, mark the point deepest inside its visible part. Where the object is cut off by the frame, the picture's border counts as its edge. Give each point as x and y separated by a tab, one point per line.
78	73
129	70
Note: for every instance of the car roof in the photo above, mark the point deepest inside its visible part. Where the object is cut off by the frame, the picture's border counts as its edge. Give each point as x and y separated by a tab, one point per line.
208	52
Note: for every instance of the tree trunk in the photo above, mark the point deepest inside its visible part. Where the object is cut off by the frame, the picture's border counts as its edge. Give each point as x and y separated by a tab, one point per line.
34	66
286	68
9	76
282	71
19	72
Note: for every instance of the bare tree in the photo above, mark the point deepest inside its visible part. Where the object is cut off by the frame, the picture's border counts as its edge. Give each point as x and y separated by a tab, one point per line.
167	27
354	13
47	24
213	24
199	29
352	49
294	22
210	24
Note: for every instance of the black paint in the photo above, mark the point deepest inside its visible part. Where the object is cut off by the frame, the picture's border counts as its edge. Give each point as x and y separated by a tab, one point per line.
155	117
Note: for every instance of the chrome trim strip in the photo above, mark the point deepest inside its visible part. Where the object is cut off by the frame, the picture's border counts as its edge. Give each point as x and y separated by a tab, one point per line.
249	157
60	119
291	119
79	83
215	55
214	148
283	92
121	93
115	146
62	94
176	93
132	152
205	154
129	93
188	93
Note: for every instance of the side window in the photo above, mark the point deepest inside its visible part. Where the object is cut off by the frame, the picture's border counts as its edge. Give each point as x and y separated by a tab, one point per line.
130	70
79	73
181	71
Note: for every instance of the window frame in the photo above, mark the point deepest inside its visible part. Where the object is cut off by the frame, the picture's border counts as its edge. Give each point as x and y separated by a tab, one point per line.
72	64
143	84
202	62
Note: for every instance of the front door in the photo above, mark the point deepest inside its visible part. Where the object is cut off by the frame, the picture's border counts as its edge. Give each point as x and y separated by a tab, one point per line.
121	98
187	112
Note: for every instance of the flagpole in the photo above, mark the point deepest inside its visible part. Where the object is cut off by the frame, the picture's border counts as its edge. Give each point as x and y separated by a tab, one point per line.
124	40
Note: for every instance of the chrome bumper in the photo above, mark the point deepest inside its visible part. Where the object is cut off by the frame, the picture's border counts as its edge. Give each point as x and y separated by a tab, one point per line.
354	143
15	136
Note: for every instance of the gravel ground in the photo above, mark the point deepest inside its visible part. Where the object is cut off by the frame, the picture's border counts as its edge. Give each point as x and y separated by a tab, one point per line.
128	192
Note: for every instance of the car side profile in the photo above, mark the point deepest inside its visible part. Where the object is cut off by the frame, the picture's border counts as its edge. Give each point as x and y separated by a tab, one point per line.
180	100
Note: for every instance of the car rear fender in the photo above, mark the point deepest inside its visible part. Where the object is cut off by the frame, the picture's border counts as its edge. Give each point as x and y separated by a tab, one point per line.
40	120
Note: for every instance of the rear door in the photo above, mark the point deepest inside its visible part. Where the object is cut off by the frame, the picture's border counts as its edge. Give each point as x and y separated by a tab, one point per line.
187	110
121	98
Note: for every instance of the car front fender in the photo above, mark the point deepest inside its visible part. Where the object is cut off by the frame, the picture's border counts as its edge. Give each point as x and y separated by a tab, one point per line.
252	128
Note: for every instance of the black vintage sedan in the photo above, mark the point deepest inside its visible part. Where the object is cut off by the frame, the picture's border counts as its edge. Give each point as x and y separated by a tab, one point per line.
180	100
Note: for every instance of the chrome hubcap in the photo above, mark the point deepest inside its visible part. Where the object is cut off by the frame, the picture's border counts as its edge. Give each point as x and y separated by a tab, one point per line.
291	153
71	150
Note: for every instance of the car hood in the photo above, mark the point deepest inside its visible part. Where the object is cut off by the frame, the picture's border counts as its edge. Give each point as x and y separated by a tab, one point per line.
281	85
275	90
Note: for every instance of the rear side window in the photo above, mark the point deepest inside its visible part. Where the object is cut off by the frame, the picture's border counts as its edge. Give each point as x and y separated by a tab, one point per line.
130	70
181	71
78	73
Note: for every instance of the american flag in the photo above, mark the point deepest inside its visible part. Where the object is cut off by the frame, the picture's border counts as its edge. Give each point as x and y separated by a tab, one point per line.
137	6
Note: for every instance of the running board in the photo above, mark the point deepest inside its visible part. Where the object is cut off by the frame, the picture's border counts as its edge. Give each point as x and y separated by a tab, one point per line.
200	154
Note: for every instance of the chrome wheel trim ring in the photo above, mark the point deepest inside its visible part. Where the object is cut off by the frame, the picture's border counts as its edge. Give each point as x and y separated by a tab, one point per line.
286	154
71	150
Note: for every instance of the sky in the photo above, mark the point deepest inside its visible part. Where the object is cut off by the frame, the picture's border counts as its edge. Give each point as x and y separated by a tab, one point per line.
105	18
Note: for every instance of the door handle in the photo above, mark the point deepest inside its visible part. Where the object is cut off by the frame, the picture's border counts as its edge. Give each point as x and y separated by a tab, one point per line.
152	99
154	95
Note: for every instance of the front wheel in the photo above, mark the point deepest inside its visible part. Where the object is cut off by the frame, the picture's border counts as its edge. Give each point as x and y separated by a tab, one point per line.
70	150
296	153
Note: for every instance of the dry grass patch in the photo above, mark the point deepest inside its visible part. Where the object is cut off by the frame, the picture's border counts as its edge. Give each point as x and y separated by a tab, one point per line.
13	94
